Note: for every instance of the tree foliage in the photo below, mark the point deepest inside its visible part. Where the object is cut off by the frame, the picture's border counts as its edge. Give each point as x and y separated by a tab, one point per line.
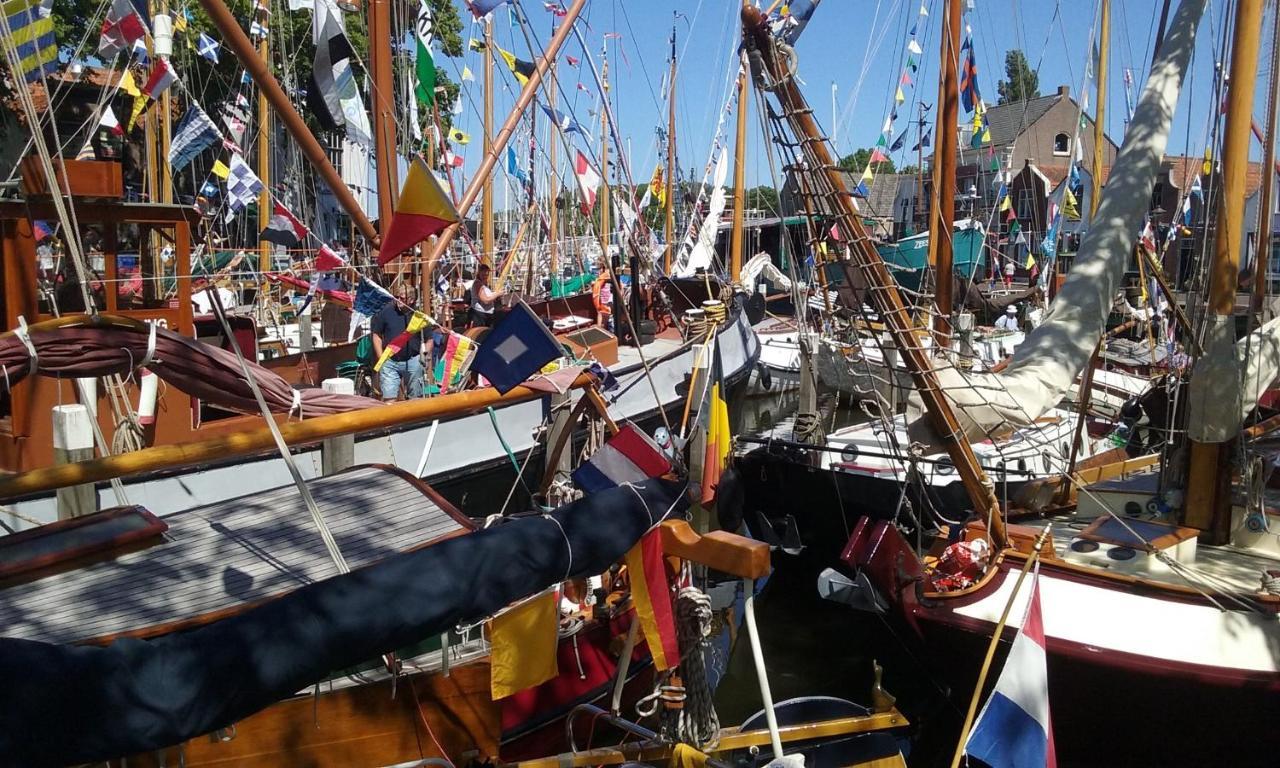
762	199
1021	82
856	162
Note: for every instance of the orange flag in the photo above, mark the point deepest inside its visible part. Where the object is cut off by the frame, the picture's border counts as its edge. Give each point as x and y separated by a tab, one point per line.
422	211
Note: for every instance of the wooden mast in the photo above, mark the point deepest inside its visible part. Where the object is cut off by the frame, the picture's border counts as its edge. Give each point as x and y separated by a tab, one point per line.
264	173
669	228
500	140
737	243
242	47
166	131
1261	263
486	201
944	173
1208	503
384	121
552	133
604	163
884	294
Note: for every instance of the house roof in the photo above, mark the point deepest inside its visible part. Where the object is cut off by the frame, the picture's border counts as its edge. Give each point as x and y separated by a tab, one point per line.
92	77
881	193
1183	169
1008	121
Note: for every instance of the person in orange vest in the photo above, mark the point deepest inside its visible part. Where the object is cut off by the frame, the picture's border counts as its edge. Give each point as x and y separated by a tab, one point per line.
602	297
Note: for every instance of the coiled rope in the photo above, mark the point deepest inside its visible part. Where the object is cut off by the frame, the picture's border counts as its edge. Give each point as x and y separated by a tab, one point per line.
688	713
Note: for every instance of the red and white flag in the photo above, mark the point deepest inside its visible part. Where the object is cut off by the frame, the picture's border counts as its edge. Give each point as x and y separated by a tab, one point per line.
110	122
161	78
120	29
327	259
283	228
588	182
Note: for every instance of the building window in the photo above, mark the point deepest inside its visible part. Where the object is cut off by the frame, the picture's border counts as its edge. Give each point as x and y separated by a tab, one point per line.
1026	206
1062	144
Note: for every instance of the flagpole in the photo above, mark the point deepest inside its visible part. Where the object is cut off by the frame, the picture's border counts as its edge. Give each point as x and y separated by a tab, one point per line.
504	134
943	210
243	49
384	123
995	643
670	221
486	202
604	163
553	226
1262	259
737	241
166	132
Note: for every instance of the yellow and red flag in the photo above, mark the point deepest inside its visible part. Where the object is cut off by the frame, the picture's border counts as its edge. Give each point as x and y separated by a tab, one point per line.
414	326
652	599
719	436
523	643
455	354
423	210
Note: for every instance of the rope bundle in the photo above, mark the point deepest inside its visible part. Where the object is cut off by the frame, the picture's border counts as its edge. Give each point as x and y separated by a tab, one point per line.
688	713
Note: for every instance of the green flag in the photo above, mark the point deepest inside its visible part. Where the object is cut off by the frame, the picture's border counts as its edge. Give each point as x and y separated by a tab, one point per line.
426	89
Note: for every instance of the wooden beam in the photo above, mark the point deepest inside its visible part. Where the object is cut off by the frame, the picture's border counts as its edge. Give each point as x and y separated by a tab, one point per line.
721	550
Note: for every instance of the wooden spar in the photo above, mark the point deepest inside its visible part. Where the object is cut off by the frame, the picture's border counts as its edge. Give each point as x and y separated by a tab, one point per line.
1208	503
737	241
383	97
242	47
883	292
504	134
248	442
604	164
1262	262
1095	196
486	200
943	210
669	227
917	218
264	173
166	133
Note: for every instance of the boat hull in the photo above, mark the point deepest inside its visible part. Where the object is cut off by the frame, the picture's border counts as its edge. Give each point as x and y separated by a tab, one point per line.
1188	683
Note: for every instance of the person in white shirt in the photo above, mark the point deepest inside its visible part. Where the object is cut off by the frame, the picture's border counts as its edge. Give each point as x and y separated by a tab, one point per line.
1009	321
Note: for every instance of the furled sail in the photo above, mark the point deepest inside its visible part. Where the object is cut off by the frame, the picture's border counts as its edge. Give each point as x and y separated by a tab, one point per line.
135	696
1229	378
761	266
1054	354
704	248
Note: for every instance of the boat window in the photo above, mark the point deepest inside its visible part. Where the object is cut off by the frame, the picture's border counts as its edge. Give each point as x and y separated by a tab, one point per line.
145	267
58	280
1062	144
51	545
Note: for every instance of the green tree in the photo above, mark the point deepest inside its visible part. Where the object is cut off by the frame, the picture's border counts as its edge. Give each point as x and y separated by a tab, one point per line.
762	199
1021	82
856	162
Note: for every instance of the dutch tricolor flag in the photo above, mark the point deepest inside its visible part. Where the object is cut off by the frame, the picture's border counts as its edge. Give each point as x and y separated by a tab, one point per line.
628	457
1013	730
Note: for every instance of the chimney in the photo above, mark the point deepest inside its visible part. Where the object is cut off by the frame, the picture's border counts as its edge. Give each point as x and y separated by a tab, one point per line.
1064	91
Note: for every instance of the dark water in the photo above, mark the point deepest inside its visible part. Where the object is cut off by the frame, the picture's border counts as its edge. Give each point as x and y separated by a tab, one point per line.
813	647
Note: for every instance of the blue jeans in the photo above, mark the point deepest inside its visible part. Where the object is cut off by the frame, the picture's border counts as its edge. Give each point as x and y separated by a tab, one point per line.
394	370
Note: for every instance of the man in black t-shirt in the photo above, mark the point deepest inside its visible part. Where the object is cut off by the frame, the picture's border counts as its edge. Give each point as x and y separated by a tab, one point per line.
406	364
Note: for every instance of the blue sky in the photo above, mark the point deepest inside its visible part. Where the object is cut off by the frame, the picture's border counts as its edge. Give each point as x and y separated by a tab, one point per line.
859	45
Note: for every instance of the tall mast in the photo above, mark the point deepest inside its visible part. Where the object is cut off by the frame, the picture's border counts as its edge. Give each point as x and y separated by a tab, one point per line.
1100	110
1265	202
916	217
240	45
736	243
384	121
486	201
604	160
944	173
554	186
884	294
166	130
264	173
1208	503
669	228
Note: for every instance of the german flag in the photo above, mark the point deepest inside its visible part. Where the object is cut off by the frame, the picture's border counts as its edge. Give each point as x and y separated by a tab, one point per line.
422	211
652	599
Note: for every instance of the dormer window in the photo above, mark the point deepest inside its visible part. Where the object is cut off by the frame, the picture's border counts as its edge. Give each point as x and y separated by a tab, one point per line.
1062	144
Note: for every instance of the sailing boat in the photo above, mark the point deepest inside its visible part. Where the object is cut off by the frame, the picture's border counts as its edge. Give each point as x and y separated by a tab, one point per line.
1152	600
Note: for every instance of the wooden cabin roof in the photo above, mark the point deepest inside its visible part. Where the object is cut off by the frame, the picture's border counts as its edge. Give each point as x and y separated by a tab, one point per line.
221	558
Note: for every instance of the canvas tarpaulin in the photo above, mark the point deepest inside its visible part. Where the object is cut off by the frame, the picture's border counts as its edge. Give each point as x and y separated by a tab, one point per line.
81	704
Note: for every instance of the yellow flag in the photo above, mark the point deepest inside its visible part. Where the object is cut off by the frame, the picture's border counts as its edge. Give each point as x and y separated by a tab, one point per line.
1207	167
220	169
522	646
458	137
140	103
899	96
658	186
127	85
415	325
1070	208
521	69
1005	202
1031	261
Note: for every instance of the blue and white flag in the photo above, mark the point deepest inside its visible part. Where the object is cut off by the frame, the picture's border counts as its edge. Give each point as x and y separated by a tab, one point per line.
513	167
194	134
566	123
1013	729
208	48
243	186
517	348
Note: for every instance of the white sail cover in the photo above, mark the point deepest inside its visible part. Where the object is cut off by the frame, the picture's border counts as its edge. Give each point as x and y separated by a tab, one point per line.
761	266
1054	354
704	248
1229	378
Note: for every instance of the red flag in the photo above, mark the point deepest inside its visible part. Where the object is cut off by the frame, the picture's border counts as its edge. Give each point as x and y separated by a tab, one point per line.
588	182
326	259
573	60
